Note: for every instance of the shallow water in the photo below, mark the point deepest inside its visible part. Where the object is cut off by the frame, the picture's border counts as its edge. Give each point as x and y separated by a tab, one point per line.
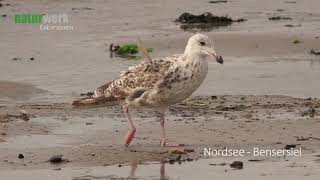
199	169
257	58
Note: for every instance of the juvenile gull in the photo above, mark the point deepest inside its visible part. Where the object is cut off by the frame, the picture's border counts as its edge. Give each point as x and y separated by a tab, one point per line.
157	84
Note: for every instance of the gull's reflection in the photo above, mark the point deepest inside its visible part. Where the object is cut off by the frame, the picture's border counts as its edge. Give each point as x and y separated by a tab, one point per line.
162	175
134	166
133	170
314	61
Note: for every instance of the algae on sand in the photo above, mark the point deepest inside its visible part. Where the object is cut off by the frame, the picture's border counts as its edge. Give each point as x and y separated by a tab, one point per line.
296	41
205	21
203	18
276	18
218	1
126	50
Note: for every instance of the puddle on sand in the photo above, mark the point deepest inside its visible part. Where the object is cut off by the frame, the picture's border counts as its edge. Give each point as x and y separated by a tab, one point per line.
200	169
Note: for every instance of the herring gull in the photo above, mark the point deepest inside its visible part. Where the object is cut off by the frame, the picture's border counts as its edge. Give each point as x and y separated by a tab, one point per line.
157	84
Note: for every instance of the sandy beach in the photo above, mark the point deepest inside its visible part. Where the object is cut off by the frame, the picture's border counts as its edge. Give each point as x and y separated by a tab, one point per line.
265	96
92	138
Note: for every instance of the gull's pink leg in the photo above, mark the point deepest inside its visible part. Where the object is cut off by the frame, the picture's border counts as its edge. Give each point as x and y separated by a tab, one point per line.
163	134
132	129
133	170
162	170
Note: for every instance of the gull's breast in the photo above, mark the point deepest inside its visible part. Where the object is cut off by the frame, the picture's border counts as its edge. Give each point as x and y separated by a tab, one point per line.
188	79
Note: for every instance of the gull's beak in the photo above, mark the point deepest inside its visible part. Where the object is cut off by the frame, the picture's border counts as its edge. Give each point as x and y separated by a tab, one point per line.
214	54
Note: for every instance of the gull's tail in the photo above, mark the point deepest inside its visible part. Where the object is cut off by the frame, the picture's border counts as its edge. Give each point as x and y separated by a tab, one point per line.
92	102
98	99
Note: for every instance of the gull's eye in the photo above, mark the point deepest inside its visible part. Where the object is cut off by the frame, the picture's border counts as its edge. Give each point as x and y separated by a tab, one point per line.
202	43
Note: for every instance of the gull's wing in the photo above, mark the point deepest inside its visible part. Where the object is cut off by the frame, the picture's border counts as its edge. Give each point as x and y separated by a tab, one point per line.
144	76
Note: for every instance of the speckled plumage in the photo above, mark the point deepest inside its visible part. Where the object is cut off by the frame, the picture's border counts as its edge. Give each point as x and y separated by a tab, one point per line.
159	83
144	75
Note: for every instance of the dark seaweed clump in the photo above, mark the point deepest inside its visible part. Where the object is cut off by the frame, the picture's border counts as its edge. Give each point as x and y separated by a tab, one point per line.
237	165
291	25
315	52
203	18
218	1
292	2
87	94
276	18
205	21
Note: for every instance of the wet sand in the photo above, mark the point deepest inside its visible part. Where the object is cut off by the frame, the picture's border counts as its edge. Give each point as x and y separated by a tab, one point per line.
93	138
18	91
260	56
260	97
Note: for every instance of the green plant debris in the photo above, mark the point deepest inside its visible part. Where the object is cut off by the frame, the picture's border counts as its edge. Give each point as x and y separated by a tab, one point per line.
126	49
296	41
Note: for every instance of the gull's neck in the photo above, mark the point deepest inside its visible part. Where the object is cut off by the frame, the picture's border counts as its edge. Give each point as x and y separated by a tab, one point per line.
195	55
189	49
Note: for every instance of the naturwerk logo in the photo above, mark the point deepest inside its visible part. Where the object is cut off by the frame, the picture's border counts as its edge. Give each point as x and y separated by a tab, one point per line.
58	22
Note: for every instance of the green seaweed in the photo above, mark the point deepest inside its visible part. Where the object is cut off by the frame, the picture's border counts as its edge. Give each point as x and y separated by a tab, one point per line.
127	49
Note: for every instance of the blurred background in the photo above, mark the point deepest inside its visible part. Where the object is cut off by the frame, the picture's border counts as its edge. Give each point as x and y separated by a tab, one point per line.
261	55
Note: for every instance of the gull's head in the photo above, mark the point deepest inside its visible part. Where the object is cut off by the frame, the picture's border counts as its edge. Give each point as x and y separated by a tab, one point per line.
201	44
